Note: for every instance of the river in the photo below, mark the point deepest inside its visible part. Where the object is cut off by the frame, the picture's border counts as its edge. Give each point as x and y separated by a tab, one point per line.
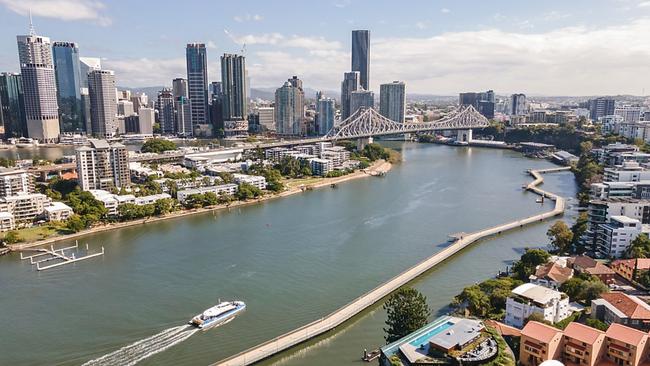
291	260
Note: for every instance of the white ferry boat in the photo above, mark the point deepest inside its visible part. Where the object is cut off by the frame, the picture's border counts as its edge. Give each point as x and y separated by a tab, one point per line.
218	314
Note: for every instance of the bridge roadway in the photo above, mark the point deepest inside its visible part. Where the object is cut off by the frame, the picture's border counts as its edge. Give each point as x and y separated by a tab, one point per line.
329	322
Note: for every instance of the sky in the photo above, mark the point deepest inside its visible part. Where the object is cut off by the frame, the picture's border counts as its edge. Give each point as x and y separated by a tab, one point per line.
442	47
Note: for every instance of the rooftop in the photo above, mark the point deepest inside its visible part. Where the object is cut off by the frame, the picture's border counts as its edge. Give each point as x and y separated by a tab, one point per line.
583	333
631	306
625	334
536	293
539	331
554	272
641	263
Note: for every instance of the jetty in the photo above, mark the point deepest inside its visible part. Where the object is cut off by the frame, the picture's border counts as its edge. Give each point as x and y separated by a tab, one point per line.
44	255
331	321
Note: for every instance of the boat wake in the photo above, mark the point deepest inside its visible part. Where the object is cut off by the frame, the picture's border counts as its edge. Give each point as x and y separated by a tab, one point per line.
144	348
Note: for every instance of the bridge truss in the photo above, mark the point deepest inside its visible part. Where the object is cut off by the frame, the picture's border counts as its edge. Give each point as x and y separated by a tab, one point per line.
367	122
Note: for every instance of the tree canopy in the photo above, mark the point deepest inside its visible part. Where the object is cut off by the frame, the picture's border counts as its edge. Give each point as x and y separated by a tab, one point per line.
526	265
407	311
561	237
157	146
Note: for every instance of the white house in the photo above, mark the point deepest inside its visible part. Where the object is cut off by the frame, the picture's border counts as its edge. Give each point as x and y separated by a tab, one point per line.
614	238
58	211
530	298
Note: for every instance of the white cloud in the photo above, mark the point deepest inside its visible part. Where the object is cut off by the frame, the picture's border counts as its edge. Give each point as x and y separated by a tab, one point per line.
67	10
145	71
316	43
248	18
211	45
421	25
445	10
644	4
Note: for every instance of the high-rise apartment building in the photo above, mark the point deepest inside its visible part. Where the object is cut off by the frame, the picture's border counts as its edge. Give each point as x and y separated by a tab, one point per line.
350	83
361	56
146	119
197	81
266	118
392	101
16	182
601	107
216	108
630	114
165	106
183	115
325	113
103	165
361	99
12	105
68	85
483	102
289	107
518	105
103	103
39	87
235	100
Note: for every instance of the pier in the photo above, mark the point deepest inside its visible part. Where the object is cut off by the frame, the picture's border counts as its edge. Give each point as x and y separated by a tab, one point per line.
46	255
331	321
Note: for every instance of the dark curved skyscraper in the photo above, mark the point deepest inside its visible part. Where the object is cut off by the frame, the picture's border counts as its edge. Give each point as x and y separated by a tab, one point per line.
361	56
197	81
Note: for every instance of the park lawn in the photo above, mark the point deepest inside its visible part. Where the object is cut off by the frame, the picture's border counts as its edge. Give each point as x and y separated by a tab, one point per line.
292	183
36	233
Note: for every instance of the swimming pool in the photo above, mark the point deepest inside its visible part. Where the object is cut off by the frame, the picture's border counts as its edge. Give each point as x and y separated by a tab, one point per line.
424	338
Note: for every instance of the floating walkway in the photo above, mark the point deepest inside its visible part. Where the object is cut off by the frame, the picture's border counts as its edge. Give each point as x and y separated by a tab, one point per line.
46	255
329	322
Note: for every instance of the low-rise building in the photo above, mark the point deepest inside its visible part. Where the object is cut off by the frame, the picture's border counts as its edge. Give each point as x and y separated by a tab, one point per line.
583	345
7	221
16	182
228	189
151	199
620	308
58	211
551	275
321	166
614	238
539	342
24	207
254	180
530	298
624	346
627	267
107	199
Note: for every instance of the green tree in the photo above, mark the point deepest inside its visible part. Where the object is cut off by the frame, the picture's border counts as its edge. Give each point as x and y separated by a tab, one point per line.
572	287
560	236
374	152
639	248
595	323
75	224
578	229
247	191
226	177
407	311
526	265
592	290
164	206
537	317
474	300
157	146
12	237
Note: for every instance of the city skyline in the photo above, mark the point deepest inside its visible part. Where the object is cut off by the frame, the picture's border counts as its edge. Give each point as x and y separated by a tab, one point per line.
544	49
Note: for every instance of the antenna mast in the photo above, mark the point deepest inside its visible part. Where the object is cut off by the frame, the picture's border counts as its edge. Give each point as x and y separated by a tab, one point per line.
32	31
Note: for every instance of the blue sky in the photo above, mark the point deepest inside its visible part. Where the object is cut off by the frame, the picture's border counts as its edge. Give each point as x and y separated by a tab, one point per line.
578	47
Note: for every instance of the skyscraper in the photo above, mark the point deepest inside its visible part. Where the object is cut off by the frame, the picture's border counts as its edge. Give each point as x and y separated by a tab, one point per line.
165	106
103	103
289	107
518	105
216	109
325	115
86	65
179	88
361	99
350	83
68	87
361	56
235	100
197	81
483	102
12	105
392	101
601	107
39	87
182	107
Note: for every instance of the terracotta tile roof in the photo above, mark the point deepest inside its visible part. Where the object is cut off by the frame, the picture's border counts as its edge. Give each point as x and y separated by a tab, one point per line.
554	272
69	176
642	263
582	261
631	306
599	269
625	334
540	332
583	333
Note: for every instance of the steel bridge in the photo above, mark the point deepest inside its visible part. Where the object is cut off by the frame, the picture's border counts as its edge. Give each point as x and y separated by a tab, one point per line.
367	122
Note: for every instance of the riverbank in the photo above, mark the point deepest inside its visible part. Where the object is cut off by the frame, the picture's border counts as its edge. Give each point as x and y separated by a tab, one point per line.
378	168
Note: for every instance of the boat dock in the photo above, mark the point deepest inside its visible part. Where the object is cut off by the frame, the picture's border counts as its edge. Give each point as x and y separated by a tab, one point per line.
331	321
45	255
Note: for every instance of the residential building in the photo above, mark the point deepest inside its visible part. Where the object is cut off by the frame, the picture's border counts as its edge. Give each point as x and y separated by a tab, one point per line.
601	107
102	165
183	115
58	211
518	105
234	100
392	101
629	171
630	114
483	102
361	56
628	268
68	86
266	118
620	308
361	99
551	275
289	108
321	166
610	124
103	103
24	207
165	106
227	189
39	87
125	108
624	346
151	199
12	105
614	237
583	345
16	182
530	298
197	81
325	115
216	108
146	120
538	343
350	84
601	211
107	199
254	180
7	221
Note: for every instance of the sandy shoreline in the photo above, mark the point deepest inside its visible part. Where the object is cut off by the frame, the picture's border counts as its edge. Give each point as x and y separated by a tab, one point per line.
378	168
